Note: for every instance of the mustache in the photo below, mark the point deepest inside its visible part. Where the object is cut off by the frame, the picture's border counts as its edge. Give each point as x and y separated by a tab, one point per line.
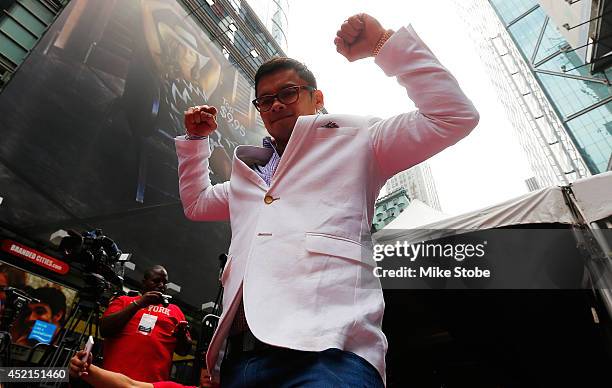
274	119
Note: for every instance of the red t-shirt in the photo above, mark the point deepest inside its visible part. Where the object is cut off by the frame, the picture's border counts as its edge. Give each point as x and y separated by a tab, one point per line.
171	384
144	347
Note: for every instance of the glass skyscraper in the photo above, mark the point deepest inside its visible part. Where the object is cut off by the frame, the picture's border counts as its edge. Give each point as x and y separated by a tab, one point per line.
273	14
551	153
581	99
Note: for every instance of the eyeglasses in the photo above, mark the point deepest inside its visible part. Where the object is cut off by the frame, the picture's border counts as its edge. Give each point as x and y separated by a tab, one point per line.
286	96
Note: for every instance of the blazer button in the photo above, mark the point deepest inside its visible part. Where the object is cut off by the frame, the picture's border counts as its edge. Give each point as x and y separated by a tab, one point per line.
268	199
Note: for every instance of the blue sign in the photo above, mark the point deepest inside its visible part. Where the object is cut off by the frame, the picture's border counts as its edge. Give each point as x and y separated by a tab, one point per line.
42	332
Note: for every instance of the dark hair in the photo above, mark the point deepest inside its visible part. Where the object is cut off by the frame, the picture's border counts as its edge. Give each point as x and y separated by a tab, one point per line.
172	62
149	272
51	296
284	63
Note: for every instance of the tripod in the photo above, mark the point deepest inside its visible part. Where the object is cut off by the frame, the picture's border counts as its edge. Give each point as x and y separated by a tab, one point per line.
86	310
70	341
17	300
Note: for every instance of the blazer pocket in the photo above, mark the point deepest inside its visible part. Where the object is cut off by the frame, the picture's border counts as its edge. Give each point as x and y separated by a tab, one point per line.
322	132
331	245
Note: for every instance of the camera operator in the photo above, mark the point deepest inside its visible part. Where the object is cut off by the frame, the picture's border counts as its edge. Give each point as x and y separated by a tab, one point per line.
142	332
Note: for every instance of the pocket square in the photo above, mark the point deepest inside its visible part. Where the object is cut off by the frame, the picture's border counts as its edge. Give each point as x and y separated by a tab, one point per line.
331	124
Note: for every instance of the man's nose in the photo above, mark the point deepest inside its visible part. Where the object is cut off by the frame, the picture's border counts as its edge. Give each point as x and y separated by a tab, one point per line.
277	105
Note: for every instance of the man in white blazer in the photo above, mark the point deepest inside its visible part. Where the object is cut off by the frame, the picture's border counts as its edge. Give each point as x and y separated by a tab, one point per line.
301	306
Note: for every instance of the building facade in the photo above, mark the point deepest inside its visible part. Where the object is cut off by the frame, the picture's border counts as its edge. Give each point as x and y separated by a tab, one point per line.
388	207
532	184
570	73
93	95
546	60
273	14
22	24
418	183
550	151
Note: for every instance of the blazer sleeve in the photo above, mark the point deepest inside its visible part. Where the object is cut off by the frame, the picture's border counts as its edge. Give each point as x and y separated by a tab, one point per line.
202	201
444	114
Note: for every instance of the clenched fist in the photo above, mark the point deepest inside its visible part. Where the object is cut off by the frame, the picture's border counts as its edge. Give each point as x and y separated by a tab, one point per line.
201	120
358	36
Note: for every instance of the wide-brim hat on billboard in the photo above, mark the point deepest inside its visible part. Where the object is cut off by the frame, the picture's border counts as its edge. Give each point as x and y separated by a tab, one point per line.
184	37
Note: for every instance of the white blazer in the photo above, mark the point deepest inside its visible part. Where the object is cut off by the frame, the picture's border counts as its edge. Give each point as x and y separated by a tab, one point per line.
301	260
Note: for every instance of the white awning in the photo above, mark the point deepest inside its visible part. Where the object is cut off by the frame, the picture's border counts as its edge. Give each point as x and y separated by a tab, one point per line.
545	206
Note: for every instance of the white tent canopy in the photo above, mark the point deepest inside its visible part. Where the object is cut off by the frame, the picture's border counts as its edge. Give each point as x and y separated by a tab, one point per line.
593	196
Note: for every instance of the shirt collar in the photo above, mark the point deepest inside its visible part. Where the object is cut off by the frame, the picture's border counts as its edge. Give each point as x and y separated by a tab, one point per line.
269	143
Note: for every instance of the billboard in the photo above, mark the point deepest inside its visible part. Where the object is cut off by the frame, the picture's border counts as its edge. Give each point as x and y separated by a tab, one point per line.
39	321
87	127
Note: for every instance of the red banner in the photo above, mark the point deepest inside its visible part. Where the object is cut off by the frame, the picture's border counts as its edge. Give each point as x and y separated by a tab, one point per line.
38	258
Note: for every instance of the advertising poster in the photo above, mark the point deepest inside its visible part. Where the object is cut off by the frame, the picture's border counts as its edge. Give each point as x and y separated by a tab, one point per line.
87	132
39	321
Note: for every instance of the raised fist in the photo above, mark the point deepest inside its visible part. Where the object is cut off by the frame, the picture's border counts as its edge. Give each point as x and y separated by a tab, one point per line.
201	120
358	36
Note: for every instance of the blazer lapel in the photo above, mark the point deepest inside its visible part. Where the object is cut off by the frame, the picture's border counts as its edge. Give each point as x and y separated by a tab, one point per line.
245	156
301	129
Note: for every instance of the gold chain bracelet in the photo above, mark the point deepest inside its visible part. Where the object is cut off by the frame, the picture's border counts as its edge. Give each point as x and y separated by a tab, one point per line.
381	42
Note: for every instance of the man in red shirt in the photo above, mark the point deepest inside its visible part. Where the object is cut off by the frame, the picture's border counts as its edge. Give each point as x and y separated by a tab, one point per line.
141	333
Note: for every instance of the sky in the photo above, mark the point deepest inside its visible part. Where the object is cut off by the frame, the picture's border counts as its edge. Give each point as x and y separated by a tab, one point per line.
483	169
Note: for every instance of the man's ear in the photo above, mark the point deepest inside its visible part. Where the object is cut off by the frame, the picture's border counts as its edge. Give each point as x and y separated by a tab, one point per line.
318	99
57	317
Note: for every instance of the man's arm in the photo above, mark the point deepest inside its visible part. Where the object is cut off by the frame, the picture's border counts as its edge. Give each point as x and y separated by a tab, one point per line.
444	115
99	377
112	324
202	201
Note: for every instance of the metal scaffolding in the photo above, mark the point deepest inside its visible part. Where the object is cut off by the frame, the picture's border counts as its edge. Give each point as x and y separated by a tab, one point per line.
560	151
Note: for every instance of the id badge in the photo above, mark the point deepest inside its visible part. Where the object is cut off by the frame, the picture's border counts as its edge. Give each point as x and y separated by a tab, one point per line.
147	323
